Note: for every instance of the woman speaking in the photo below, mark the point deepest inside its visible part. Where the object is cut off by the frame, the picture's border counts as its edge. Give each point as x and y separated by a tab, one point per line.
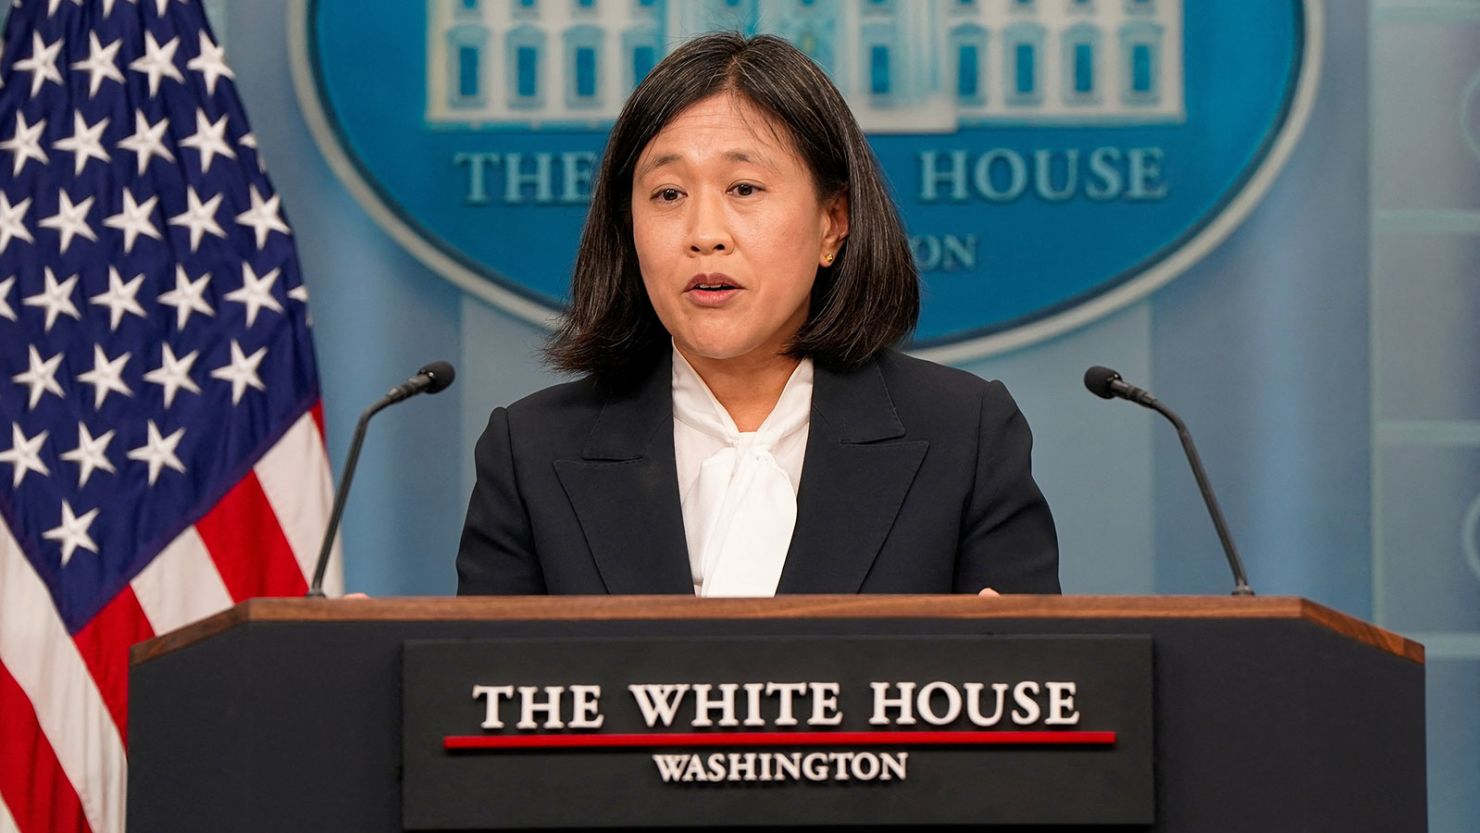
742	426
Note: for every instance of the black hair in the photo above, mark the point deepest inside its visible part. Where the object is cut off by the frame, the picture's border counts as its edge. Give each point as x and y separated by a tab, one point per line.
867	300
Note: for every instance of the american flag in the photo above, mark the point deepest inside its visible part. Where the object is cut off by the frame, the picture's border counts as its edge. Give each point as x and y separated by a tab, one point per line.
161	441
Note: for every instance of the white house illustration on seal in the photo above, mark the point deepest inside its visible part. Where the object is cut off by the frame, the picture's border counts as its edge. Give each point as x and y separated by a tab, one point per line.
905	66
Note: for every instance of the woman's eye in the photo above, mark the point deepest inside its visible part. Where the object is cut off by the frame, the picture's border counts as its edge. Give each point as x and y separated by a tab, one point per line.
668	194
745	189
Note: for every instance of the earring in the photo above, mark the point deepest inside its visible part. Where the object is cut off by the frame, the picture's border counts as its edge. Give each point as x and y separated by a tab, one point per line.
829	259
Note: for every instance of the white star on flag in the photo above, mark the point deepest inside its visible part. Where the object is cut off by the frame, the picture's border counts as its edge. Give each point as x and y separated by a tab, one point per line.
13	221
70	220
200	218
24	455
5	309
241	372
26	143
86	142
120	298
249	140
210	63
42	64
72	534
210	139
90	454
188	296
102	62
106	376
51	6
299	293
133	220
173	374
159	452
264	217
41	376
56	298
256	292
147	140
158	62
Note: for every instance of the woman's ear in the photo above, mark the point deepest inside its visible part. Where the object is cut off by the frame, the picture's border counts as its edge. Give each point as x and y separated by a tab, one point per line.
834	226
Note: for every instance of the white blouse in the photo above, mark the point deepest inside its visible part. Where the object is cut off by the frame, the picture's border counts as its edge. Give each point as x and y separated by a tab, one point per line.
738	490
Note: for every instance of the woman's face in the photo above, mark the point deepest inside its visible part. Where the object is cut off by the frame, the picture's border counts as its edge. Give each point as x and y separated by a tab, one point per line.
730	231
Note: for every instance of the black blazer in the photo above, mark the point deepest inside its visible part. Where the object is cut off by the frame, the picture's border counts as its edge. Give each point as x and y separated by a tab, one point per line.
916	479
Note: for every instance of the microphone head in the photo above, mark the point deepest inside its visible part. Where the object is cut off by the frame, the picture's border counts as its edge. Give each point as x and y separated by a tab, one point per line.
441	375
1100	381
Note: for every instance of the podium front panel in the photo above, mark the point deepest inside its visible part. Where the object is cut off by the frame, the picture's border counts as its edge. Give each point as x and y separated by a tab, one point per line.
1272	723
776	731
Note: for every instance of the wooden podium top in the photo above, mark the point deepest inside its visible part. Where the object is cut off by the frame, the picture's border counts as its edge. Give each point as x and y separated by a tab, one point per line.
548	608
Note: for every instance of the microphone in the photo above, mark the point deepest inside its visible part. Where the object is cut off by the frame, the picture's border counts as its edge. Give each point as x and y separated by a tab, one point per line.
432	378
1107	384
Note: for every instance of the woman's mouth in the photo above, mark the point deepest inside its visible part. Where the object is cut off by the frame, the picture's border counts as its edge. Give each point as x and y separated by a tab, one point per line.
712	282
711	290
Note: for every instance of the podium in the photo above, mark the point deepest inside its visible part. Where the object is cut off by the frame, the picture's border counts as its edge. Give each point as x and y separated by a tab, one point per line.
1198	714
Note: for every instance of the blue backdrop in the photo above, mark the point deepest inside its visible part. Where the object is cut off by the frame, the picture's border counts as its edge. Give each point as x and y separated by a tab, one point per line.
1325	354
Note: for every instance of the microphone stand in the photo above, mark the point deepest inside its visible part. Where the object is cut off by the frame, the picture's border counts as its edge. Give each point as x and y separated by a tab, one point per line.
432	378
1107	384
316	590
1241	581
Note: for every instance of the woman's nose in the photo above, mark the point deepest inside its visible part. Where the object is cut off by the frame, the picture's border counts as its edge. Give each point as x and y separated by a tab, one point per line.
709	230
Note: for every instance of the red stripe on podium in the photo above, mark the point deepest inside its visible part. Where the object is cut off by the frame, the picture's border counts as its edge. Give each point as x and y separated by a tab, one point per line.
452	742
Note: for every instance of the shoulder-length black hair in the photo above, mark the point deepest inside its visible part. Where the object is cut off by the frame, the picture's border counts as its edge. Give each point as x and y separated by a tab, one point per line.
868	299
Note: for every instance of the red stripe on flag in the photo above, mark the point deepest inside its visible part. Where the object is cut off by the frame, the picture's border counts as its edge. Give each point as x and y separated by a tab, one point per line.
677	739
248	546
40	798
104	645
318	419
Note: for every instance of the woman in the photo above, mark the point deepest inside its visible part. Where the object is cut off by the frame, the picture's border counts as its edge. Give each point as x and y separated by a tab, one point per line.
743	427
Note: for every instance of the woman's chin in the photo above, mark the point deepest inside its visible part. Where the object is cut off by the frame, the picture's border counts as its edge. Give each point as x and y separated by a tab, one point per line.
720	349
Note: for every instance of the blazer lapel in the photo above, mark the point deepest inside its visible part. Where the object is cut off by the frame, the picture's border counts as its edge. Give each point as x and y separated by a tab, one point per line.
853	482
625	491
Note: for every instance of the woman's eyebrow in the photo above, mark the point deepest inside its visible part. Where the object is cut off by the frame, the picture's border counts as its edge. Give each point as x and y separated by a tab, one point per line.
749	157
657	162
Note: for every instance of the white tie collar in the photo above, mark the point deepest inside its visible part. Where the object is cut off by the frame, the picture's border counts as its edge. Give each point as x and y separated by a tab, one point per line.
739	516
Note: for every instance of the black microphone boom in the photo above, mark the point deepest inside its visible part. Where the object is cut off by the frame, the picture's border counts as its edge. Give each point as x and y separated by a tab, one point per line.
1107	384
432	378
